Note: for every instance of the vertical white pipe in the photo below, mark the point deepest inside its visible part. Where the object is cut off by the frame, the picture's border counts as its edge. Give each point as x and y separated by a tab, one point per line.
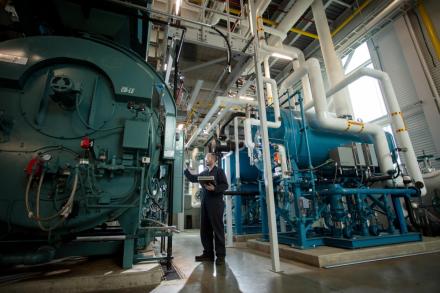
394	111
237	163
268	181
229	235
267	75
237	151
333	66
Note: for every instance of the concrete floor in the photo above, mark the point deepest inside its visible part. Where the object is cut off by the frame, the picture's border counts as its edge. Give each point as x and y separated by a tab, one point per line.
249	271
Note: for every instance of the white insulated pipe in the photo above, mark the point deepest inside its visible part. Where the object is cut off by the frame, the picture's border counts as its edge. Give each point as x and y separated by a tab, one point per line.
289	20
271	90
297	60
237	151
220	101
268	181
248	122
244	88
395	113
262	5
217	120
274	32
194	94
325	121
248	135
333	66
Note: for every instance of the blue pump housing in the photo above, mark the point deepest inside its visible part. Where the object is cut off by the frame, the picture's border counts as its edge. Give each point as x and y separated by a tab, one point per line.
321	142
248	172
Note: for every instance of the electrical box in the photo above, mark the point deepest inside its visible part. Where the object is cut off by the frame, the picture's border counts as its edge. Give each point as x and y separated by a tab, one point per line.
370	155
343	156
359	154
135	135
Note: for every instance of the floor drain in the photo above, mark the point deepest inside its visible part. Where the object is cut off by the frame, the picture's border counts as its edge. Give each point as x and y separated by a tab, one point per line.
170	274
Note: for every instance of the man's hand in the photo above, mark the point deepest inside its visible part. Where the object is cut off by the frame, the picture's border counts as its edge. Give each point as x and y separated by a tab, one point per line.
209	187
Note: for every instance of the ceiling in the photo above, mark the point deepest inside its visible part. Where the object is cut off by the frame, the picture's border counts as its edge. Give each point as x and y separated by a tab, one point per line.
218	82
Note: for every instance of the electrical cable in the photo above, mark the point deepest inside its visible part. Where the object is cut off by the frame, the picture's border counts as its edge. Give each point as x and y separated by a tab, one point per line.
26	119
229	51
319	166
78	112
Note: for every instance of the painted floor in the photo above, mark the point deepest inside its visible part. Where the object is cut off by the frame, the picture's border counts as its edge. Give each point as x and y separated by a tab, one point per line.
249	271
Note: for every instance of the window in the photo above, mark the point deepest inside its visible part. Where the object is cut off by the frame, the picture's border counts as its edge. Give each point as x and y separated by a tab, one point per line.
365	93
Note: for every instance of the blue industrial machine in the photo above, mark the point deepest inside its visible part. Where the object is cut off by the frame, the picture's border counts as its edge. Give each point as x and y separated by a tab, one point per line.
246	202
88	143
333	193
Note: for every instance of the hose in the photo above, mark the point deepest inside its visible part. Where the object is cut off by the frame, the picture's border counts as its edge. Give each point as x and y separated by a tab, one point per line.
411	216
64	211
229	51
77	103
26	196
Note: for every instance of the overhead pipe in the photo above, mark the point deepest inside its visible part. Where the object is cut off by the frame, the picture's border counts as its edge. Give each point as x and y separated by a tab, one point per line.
294	14
244	88
325	121
395	113
262	5
234	115
217	120
293	29
274	32
297	60
220	101
333	66
194	94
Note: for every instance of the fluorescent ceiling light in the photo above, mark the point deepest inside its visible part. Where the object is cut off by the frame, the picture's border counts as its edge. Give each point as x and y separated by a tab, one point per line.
281	56
247	98
178	3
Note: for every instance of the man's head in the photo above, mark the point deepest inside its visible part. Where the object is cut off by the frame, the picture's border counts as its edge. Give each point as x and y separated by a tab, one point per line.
210	160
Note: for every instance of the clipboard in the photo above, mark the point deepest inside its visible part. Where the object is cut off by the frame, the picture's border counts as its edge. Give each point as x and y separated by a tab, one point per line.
204	180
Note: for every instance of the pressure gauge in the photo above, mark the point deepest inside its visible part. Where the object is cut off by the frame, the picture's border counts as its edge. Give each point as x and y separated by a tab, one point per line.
46	157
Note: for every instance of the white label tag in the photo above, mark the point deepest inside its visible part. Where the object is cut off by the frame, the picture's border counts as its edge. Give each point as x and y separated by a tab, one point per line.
127	90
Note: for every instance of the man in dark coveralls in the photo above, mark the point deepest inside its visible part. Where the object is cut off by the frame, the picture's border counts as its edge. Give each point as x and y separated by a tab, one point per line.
212	207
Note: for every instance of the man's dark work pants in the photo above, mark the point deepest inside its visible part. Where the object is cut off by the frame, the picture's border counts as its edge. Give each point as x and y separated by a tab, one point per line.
212	208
